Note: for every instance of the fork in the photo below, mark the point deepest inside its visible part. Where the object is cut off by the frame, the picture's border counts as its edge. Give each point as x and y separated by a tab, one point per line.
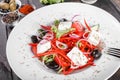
114	52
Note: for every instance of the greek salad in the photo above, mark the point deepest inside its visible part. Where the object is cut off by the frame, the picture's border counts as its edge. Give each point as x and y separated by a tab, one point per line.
66	46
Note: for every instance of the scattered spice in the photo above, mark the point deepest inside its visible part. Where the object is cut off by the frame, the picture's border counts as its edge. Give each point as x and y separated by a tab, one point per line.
26	9
10	18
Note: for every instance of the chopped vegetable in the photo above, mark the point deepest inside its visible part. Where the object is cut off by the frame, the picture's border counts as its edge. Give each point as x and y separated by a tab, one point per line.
61	45
51	1
56	22
62	32
34	39
59	33
95	27
88	27
96	54
66	46
41	33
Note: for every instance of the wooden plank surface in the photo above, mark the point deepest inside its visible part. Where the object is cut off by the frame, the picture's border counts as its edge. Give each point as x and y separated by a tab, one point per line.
5	71
116	3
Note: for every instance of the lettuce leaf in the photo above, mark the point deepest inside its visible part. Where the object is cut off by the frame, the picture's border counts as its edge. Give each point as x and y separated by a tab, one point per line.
59	33
51	1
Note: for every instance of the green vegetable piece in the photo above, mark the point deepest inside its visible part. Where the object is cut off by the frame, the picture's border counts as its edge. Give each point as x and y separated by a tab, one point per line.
48	58
54	29
51	1
44	1
41	33
54	1
62	0
59	33
56	22
60	70
40	30
62	32
95	27
79	44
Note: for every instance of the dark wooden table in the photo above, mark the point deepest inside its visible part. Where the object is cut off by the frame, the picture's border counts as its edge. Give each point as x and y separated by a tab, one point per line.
5	71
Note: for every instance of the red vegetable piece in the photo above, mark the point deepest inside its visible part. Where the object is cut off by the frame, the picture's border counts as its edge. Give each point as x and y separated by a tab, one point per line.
45	27
33	48
78	26
88	27
70	70
62	61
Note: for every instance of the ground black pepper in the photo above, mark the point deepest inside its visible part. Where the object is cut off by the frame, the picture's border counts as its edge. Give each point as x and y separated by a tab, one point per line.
10	18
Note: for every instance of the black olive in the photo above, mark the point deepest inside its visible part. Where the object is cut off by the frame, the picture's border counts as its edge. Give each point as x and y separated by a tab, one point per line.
34	39
96	54
4	10
63	20
52	65
57	69
17	6
6	1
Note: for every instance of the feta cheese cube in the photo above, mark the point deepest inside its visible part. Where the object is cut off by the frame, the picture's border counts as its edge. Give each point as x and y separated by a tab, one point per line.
64	25
78	58
43	47
94	38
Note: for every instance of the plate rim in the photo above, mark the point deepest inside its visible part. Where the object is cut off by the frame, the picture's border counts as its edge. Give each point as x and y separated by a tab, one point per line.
64	4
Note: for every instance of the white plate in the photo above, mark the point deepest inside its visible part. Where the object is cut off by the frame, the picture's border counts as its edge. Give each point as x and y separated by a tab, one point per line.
27	68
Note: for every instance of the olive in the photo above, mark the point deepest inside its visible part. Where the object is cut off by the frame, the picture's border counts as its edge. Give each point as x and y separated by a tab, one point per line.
34	39
4	10
63	20
17	6
7	1
96	54
52	65
57	69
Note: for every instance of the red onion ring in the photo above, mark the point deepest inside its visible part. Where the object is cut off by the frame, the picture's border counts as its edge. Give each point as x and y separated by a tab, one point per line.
60	43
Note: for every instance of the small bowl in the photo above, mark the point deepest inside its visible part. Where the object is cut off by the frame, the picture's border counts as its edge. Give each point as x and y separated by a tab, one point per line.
18	2
25	14
10	18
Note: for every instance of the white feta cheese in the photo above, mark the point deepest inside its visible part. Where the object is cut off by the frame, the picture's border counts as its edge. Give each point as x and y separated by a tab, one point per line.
64	25
94	38
77	57
43	47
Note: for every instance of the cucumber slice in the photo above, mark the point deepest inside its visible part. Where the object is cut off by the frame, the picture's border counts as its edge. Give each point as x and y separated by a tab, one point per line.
95	27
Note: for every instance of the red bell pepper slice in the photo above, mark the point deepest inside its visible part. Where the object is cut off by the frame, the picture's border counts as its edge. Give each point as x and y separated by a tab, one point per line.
45	27
88	27
33	48
70	70
61	61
